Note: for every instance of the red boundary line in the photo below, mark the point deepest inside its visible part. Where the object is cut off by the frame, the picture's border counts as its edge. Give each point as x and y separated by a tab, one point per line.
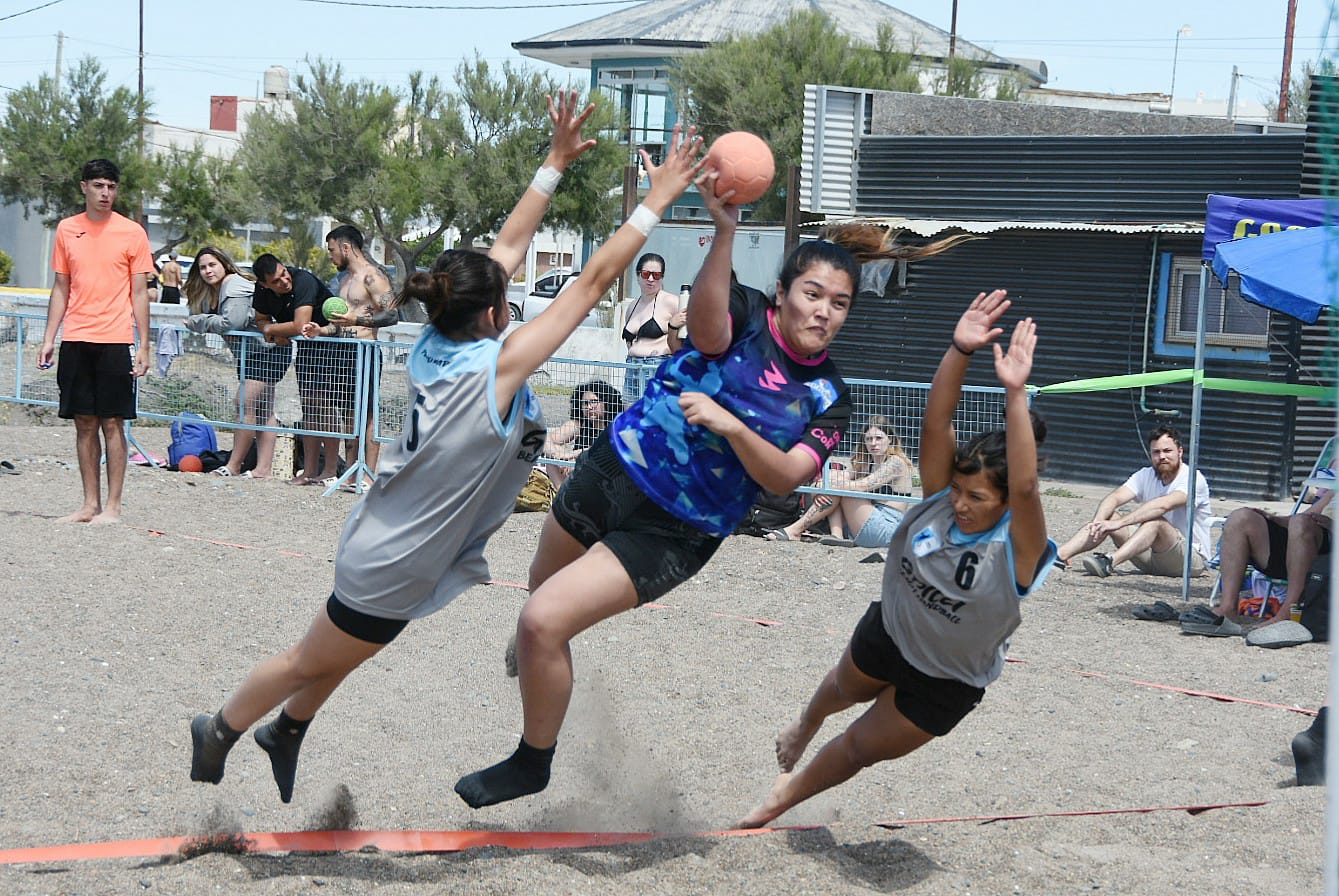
340	841
987	819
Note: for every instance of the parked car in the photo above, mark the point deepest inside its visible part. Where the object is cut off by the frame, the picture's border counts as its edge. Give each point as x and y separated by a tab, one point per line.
524	306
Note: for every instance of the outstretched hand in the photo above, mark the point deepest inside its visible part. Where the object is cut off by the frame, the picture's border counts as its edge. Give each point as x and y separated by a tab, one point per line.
976	328
1013	367
678	169
568	143
719	207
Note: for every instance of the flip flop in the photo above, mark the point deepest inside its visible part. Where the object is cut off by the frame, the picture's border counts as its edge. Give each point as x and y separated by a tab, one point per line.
776	535
837	542
1160	611
8	467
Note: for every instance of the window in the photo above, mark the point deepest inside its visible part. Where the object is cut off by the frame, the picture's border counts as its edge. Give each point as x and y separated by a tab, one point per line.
1229	320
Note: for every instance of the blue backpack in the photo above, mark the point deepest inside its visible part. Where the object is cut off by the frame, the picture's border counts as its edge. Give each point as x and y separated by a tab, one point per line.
190	435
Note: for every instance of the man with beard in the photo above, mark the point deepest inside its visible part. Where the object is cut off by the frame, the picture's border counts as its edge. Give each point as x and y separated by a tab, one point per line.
1151	536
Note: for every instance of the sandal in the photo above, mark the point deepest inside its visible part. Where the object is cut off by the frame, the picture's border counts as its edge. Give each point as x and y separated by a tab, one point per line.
223	471
1160	611
776	535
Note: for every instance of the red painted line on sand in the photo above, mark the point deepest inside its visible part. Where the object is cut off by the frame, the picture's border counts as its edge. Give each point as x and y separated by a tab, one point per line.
342	841
1223	698
986	819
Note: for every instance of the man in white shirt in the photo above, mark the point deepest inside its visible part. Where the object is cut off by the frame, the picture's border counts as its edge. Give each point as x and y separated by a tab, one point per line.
1152	534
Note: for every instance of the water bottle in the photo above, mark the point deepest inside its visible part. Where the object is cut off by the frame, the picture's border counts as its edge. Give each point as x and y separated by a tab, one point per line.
684	292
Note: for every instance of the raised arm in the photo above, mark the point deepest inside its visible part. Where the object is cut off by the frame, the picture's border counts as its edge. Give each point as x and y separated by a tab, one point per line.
1027	522
709	311
976	329
531	345
519	229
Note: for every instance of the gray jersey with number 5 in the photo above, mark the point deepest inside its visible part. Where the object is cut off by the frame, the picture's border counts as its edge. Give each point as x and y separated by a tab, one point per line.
417	538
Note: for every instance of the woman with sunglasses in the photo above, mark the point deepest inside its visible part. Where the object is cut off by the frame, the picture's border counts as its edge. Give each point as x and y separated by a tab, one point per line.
647	326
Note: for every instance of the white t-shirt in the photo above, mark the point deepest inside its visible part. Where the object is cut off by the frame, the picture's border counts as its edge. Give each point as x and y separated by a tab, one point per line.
1147	486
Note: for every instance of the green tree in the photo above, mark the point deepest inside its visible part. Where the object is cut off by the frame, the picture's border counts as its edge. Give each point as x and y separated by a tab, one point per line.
756	84
964	77
6	267
417	160
1299	90
46	139
200	194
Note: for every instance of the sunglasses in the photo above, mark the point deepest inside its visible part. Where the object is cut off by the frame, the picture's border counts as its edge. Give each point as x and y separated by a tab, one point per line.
652	275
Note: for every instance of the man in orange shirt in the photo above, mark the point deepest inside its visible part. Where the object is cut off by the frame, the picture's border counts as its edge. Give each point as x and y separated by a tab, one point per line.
102	264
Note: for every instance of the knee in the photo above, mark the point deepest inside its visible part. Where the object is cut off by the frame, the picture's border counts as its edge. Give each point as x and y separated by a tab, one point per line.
537	627
860	750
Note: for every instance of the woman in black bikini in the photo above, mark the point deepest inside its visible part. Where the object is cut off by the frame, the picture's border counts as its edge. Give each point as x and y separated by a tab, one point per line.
646	328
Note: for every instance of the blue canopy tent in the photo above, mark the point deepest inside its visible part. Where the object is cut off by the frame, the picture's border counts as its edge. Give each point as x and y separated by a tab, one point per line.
1289	264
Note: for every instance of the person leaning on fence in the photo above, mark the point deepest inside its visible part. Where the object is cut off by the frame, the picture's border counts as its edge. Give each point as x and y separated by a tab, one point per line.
958	568
472	433
753	402
1151	535
101	260
292	298
220	298
594	405
1281	546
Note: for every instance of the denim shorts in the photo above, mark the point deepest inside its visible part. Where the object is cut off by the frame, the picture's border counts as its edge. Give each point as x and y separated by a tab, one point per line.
879	528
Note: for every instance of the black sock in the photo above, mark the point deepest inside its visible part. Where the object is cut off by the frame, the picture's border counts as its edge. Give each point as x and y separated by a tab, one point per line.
522	773
211	739
282	739
1309	752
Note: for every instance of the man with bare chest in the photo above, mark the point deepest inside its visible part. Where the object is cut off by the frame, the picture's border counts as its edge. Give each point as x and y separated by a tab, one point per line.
367	290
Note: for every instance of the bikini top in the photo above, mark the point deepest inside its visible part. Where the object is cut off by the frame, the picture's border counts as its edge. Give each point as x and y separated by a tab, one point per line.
649	330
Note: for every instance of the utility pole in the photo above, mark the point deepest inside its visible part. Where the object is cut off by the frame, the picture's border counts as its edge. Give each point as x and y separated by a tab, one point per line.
139	110
1232	95
1287	59
952	45
60	53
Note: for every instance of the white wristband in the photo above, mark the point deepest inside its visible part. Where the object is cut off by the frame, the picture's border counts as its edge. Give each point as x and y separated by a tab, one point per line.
643	219
546	180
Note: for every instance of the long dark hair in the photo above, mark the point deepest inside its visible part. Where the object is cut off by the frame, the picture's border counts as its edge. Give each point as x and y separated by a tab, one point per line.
460	285
588	430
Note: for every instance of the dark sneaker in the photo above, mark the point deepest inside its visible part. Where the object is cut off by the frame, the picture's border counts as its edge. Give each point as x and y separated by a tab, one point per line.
1098	565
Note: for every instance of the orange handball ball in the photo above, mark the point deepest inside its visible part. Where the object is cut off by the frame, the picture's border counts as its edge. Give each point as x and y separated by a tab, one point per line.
744	164
190	464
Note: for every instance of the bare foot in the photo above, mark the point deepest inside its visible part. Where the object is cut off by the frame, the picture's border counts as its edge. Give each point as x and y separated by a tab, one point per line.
107	517
790	744
300	480
82	515
775	803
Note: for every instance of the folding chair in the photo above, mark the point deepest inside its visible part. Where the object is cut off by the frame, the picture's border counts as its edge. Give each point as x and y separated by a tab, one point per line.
1322	476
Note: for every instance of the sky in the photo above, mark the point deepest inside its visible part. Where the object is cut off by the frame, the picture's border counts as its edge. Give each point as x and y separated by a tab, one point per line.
225	51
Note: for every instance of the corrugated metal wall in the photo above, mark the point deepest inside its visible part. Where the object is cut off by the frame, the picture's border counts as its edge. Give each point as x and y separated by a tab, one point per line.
1143	178
1320	175
1088	293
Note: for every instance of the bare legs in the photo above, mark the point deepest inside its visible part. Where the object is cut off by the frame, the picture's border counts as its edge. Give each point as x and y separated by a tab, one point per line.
571	590
880	733
1245	540
256	403
91	435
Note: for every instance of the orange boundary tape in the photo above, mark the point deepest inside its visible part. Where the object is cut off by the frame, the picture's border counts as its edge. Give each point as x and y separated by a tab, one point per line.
345	841
986	819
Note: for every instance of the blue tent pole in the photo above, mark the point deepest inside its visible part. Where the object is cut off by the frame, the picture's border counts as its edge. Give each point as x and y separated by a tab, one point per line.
1331	745
1197	396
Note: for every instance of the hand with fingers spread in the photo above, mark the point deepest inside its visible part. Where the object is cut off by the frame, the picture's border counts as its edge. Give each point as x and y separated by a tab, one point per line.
1013	367
568	143
977	326
679	168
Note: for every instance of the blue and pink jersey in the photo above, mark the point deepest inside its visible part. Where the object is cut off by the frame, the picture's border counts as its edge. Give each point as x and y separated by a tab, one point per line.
692	472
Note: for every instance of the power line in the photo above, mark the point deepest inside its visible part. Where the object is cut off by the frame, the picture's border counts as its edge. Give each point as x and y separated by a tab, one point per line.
15	15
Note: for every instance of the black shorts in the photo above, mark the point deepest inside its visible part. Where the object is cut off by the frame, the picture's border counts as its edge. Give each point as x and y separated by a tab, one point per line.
170	295
1277	567
261	361
96	379
327	367
934	705
363	626
599	502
